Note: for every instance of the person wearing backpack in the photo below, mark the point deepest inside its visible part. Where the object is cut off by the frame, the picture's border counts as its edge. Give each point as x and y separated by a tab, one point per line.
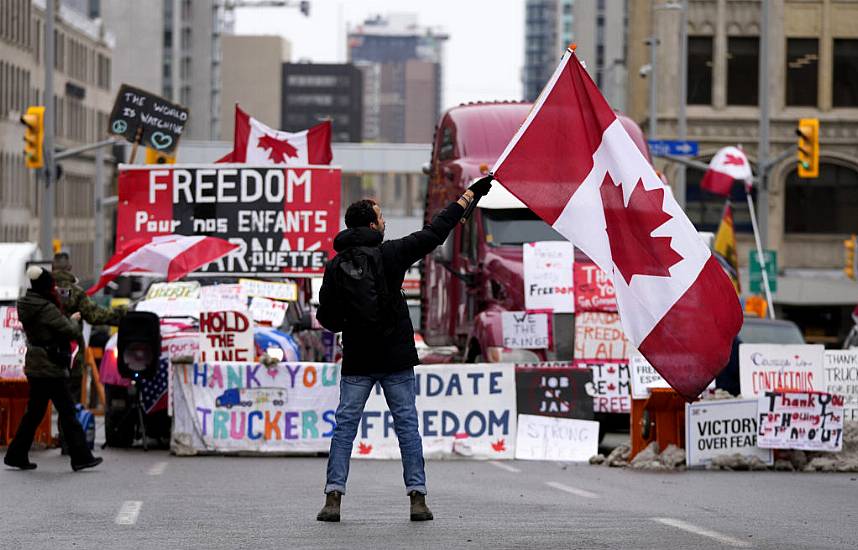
361	297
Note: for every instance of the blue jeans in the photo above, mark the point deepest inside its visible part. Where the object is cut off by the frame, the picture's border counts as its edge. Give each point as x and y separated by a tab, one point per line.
399	391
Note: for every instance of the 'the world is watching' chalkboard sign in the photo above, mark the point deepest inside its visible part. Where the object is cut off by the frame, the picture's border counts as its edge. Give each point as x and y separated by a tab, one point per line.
145	118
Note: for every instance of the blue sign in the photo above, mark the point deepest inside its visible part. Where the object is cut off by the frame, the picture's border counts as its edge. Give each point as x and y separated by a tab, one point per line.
662	147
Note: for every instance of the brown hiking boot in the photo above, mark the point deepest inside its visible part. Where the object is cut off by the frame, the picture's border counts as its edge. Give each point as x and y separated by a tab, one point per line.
419	510
331	510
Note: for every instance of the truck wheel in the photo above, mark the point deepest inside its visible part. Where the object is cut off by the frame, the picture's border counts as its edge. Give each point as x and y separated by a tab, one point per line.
119	423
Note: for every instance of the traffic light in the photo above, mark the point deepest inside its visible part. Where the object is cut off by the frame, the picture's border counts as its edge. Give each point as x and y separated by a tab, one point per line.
34	136
154	156
305	7
851	267
808	148
57	245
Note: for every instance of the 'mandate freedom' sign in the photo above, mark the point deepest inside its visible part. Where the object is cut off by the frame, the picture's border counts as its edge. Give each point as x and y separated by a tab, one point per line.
283	219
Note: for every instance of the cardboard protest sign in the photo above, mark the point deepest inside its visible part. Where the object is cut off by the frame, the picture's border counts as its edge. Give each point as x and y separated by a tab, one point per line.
594	290
269	289
143	117
272	312
600	336
13	344
227	297
644	377
548	276
283	219
722	427
178	299
463	411
611	386
526	330
226	337
248	407
553	390
841	378
770	367
545	438
812	421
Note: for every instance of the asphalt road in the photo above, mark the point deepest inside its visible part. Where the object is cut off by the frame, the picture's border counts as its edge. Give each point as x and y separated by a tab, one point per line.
154	500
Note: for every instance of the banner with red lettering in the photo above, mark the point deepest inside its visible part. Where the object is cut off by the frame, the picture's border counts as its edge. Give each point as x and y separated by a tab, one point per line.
284	219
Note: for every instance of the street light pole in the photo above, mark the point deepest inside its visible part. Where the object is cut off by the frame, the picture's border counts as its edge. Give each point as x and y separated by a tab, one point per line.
763	146
653	83
682	123
46	232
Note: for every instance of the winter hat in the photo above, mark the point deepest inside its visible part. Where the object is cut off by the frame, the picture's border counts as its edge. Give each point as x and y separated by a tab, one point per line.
41	279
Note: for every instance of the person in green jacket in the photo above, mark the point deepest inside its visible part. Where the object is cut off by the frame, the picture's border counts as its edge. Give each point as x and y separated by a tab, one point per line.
46	365
74	300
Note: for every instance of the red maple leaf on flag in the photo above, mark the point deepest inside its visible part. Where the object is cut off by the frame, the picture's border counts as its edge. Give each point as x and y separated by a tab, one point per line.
611	387
364	449
281	149
633	248
499	446
612	370
733	159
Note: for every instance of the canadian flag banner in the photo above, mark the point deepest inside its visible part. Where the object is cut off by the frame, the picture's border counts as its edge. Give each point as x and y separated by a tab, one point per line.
255	143
728	164
574	164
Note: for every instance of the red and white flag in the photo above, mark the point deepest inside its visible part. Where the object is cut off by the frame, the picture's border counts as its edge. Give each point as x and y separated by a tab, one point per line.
574	164
256	143
728	164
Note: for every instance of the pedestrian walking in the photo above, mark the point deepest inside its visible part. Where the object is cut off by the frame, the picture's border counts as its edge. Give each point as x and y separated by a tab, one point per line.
49	336
361	297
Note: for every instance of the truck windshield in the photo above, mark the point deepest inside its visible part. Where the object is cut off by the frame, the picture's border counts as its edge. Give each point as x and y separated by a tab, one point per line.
512	226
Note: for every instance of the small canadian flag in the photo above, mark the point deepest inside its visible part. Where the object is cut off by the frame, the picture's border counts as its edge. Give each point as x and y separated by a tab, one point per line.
728	164
256	143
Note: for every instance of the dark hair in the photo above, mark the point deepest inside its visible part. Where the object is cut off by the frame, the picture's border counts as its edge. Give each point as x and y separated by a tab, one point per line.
361	214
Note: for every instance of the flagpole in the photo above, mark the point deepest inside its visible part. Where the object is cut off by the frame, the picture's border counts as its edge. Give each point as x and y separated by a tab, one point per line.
760	257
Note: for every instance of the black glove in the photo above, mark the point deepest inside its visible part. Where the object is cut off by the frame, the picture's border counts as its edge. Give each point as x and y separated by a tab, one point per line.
480	188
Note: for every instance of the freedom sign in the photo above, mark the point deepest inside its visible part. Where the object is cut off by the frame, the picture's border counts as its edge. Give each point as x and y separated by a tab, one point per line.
465	411
548	276
284	219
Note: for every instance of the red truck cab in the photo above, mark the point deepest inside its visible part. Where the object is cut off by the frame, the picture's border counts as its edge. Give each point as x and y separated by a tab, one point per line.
478	273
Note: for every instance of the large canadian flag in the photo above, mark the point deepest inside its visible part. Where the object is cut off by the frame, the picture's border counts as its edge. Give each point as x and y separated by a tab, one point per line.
728	164
574	164
256	143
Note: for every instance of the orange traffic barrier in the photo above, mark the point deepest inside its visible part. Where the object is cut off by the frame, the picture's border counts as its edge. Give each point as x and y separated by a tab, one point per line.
660	417
91	376
13	404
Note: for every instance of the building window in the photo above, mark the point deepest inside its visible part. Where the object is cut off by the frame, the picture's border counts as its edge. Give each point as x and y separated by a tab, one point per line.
699	70
834	192
704	209
802	71
845	73
743	67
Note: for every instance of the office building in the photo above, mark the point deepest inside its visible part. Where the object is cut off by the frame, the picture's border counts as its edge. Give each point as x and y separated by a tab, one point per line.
313	92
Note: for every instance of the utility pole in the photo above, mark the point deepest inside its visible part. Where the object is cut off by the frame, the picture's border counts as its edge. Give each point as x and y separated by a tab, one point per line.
682	123
763	146
98	252
653	83
46	232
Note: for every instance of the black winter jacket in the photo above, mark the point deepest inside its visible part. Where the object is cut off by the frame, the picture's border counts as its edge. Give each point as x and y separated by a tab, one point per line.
376	353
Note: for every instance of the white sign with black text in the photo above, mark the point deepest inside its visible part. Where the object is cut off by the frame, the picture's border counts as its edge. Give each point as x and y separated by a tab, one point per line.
841	377
722	427
548	276
644	377
780	367
525	330
550	438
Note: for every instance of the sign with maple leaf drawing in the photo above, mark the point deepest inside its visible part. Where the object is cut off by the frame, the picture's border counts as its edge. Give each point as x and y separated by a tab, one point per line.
463	411
611	386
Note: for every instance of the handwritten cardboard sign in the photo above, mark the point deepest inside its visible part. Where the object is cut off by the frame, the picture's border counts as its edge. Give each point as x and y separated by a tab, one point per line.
594	290
644	377
611	386
226	337
525	330
267	311
142	117
227	297
811	421
771	367
841	377
270	289
722	427
546	438
600	337
548	282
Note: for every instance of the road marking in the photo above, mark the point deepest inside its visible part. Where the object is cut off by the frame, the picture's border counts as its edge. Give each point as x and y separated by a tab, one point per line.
723	539
572	490
128	512
503	466
157	468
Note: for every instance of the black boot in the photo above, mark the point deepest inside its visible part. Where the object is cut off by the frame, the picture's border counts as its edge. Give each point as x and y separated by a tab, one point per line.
419	510
84	465
23	464
331	510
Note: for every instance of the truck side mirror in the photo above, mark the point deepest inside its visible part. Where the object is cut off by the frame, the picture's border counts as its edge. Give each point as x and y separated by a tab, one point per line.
444	253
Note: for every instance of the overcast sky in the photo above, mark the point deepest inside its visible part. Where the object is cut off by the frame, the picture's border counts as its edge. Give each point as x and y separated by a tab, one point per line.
482	60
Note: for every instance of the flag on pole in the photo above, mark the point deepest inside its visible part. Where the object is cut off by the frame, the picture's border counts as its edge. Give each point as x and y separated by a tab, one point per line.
725	247
728	164
574	164
256	143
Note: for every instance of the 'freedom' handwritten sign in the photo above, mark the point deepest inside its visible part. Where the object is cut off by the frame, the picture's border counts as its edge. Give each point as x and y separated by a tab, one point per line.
548	276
